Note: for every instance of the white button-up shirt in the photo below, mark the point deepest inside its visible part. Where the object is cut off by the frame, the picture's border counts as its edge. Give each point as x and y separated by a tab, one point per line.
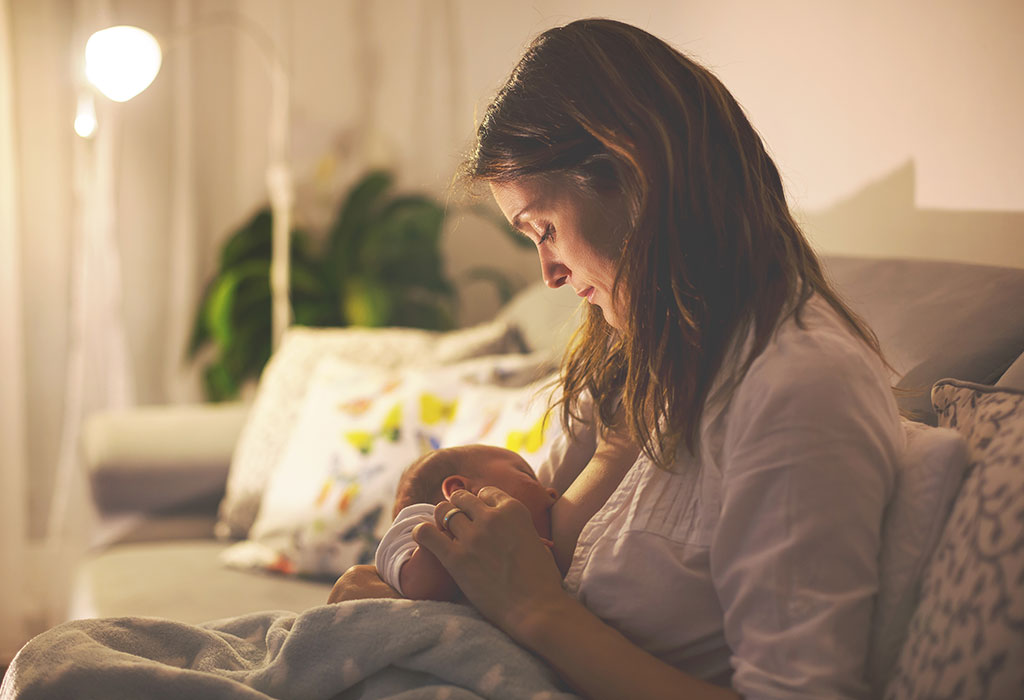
755	563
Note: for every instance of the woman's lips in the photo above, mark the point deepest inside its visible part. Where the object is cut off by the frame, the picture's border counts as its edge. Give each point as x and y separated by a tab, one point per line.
587	294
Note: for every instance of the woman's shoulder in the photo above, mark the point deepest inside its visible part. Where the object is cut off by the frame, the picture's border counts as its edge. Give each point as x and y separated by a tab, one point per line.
817	388
815	365
815	341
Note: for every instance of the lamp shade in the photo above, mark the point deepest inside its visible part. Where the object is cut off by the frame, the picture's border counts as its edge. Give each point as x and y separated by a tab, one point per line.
122	61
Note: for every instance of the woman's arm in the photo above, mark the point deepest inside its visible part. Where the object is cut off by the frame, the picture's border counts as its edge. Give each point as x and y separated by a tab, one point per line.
613	457
497	561
600	663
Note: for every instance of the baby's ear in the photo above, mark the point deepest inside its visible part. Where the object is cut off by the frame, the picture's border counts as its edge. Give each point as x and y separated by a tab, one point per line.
452	484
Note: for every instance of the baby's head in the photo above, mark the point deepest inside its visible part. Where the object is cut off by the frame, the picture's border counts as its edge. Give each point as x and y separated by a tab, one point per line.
436	475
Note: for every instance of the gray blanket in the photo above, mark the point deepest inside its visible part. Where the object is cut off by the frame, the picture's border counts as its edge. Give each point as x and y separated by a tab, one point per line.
359	649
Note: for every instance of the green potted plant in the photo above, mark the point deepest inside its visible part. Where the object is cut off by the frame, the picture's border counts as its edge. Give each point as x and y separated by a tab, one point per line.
380	265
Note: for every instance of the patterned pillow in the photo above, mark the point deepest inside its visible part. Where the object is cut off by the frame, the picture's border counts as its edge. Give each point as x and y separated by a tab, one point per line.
286	377
516	418
966	638
328	500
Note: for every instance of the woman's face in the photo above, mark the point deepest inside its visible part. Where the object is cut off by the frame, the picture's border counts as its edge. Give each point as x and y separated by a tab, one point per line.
578	237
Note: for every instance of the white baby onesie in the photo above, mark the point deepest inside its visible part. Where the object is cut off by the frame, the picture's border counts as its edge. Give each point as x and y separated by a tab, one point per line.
397	545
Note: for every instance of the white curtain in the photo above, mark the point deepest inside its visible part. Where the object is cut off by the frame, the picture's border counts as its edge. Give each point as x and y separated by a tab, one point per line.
181	381
98	373
46	516
13	459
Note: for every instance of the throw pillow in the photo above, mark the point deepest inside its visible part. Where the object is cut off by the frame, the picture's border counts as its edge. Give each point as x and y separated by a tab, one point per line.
516	418
329	499
285	379
927	480
965	636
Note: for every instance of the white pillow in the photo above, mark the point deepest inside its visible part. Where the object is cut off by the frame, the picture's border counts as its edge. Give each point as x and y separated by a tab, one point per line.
927	481
965	639
328	500
285	379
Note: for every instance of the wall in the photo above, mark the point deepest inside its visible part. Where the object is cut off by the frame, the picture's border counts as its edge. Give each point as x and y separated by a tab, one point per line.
43	113
896	127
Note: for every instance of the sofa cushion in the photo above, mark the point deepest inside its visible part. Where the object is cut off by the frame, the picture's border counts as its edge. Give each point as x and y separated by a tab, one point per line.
182	580
283	384
936	319
137	460
965	637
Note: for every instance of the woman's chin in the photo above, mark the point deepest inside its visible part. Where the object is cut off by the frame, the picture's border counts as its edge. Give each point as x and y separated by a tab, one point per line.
610	318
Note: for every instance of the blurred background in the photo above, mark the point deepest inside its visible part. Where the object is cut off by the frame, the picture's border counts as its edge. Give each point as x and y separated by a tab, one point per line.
896	126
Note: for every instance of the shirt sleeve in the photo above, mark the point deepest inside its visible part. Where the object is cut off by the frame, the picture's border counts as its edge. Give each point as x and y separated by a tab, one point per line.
397	545
808	464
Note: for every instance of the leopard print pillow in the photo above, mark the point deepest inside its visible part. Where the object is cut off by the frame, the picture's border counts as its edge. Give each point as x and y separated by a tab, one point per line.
966	639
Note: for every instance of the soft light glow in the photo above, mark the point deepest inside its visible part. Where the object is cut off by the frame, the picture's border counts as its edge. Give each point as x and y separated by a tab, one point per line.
85	117
122	61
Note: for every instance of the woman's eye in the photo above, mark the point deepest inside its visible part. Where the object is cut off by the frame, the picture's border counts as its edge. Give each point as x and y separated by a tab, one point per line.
549	230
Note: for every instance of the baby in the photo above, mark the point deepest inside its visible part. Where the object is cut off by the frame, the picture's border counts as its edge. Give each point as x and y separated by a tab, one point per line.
414	571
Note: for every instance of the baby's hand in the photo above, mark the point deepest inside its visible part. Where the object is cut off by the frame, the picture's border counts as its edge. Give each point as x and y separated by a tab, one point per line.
360	582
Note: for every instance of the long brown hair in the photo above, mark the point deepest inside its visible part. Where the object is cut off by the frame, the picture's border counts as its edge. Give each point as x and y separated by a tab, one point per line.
710	248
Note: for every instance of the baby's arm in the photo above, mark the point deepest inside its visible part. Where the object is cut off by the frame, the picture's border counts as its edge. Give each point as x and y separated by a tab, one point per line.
411	570
423	577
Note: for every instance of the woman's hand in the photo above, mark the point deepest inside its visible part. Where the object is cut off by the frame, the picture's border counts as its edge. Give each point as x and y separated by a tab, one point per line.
361	582
496	558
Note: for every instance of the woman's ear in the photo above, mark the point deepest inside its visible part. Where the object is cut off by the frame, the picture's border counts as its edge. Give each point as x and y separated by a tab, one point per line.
452	484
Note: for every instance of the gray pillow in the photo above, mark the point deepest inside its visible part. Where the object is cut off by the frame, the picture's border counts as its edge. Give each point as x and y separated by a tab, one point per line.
936	319
964	640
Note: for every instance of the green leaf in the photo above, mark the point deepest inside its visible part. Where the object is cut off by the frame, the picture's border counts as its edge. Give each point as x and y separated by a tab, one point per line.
218	383
252	240
428	314
381	264
367	303
218	310
357	211
221	316
200	331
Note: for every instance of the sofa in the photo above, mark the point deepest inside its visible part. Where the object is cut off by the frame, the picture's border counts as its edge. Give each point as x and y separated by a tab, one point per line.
176	506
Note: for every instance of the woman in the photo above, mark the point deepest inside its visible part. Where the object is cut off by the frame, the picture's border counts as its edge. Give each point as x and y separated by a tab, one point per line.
738	552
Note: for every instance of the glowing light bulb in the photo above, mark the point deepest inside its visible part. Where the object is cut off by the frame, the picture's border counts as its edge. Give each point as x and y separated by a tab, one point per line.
122	61
85	117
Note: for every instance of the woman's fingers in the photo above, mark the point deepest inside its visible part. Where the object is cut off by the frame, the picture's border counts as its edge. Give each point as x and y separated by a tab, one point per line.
455	515
446	516
492	496
437	542
475	504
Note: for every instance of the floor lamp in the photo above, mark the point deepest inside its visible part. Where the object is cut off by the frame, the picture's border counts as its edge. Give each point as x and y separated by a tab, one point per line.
122	61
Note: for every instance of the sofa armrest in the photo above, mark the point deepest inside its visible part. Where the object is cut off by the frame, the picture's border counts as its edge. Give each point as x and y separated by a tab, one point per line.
160	458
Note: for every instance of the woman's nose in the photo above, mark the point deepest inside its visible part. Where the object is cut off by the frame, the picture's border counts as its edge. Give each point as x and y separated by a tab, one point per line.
553	272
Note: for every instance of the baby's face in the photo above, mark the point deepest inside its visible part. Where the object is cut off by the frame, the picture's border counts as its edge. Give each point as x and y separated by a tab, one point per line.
509	472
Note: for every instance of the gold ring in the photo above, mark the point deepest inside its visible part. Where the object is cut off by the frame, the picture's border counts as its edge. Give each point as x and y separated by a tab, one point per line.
448	516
